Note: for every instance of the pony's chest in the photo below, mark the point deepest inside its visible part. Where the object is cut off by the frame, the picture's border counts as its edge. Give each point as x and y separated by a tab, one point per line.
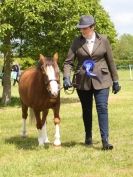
47	103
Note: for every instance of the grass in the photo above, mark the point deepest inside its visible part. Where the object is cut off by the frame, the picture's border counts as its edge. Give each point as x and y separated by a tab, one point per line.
23	158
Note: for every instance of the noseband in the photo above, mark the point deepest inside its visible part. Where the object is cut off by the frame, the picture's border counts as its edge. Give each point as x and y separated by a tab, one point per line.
52	80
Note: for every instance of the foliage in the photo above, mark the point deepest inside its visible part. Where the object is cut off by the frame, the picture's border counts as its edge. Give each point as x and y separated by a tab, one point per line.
26	62
19	19
31	27
123	51
59	28
124	64
46	27
1	63
104	25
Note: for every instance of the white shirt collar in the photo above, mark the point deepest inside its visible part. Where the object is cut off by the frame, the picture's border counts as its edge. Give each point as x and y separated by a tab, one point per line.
92	39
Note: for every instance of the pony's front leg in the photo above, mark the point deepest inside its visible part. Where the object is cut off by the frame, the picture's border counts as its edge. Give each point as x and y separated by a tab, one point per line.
24	117
57	141
44	133
39	127
44	129
24	130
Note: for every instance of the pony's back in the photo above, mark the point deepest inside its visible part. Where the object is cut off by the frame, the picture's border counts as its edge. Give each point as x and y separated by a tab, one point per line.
32	88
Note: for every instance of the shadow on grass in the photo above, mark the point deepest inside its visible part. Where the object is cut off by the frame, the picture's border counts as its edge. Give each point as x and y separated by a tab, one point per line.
70	144
15	101
73	143
69	100
23	143
31	143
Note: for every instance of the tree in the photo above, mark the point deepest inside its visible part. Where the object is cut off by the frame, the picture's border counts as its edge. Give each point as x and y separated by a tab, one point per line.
44	27
123	52
18	19
60	26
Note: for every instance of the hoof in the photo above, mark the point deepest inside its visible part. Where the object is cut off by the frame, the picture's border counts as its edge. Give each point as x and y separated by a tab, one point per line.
57	143
41	143
23	135
46	141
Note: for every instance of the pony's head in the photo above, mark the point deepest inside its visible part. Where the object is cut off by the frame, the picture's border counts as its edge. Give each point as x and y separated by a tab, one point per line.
50	69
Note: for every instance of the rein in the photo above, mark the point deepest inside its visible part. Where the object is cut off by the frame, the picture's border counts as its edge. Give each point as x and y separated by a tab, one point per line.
69	91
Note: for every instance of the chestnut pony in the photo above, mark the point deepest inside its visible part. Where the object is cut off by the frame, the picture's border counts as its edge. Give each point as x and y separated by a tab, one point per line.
39	90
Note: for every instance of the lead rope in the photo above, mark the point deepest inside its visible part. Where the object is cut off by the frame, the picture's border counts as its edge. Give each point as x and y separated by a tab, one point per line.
69	91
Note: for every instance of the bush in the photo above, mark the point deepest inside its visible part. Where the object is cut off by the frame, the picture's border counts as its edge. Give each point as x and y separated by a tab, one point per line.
26	62
123	64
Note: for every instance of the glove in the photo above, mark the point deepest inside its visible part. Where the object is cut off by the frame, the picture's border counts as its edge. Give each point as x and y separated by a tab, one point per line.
67	83
116	87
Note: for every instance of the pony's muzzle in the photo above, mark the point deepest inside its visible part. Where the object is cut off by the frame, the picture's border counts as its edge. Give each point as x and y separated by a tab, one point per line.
54	89
53	95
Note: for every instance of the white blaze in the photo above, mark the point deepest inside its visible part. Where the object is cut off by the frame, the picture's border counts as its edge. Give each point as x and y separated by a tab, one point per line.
52	78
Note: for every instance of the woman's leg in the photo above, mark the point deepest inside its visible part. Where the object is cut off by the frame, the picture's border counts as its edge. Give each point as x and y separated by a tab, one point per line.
101	99
86	99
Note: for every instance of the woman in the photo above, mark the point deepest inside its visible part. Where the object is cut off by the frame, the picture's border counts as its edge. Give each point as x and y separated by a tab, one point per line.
15	73
95	74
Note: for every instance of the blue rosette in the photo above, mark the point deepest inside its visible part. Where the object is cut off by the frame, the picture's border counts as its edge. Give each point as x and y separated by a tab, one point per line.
88	65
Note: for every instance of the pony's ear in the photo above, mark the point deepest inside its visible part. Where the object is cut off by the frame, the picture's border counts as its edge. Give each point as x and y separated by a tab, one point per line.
42	58
55	57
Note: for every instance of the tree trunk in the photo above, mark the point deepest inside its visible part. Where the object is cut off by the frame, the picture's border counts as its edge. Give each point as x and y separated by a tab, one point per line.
6	96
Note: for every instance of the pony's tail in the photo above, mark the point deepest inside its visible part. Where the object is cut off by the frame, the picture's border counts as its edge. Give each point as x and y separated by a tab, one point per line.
32	116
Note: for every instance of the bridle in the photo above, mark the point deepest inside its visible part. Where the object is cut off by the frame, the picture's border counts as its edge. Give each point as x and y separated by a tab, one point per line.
52	80
47	81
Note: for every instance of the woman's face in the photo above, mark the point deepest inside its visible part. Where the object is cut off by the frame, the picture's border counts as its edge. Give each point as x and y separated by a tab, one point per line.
87	32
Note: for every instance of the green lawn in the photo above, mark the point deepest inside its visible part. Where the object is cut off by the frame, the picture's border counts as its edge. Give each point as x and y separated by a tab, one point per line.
23	158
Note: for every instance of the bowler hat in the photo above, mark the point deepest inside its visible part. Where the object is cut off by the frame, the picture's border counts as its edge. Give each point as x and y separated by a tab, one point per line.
86	21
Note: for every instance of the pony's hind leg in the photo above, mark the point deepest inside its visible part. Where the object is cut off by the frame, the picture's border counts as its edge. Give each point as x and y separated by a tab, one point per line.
57	141
24	117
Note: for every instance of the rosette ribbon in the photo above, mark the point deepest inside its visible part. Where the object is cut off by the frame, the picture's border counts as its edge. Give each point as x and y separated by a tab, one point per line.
88	65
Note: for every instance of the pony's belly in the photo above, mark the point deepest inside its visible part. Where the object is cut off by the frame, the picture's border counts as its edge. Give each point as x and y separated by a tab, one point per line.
42	106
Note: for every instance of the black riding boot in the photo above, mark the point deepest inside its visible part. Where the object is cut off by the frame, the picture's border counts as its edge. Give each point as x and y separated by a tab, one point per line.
106	145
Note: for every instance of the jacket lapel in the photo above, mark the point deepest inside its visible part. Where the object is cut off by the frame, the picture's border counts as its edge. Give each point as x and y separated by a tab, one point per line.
84	46
96	43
